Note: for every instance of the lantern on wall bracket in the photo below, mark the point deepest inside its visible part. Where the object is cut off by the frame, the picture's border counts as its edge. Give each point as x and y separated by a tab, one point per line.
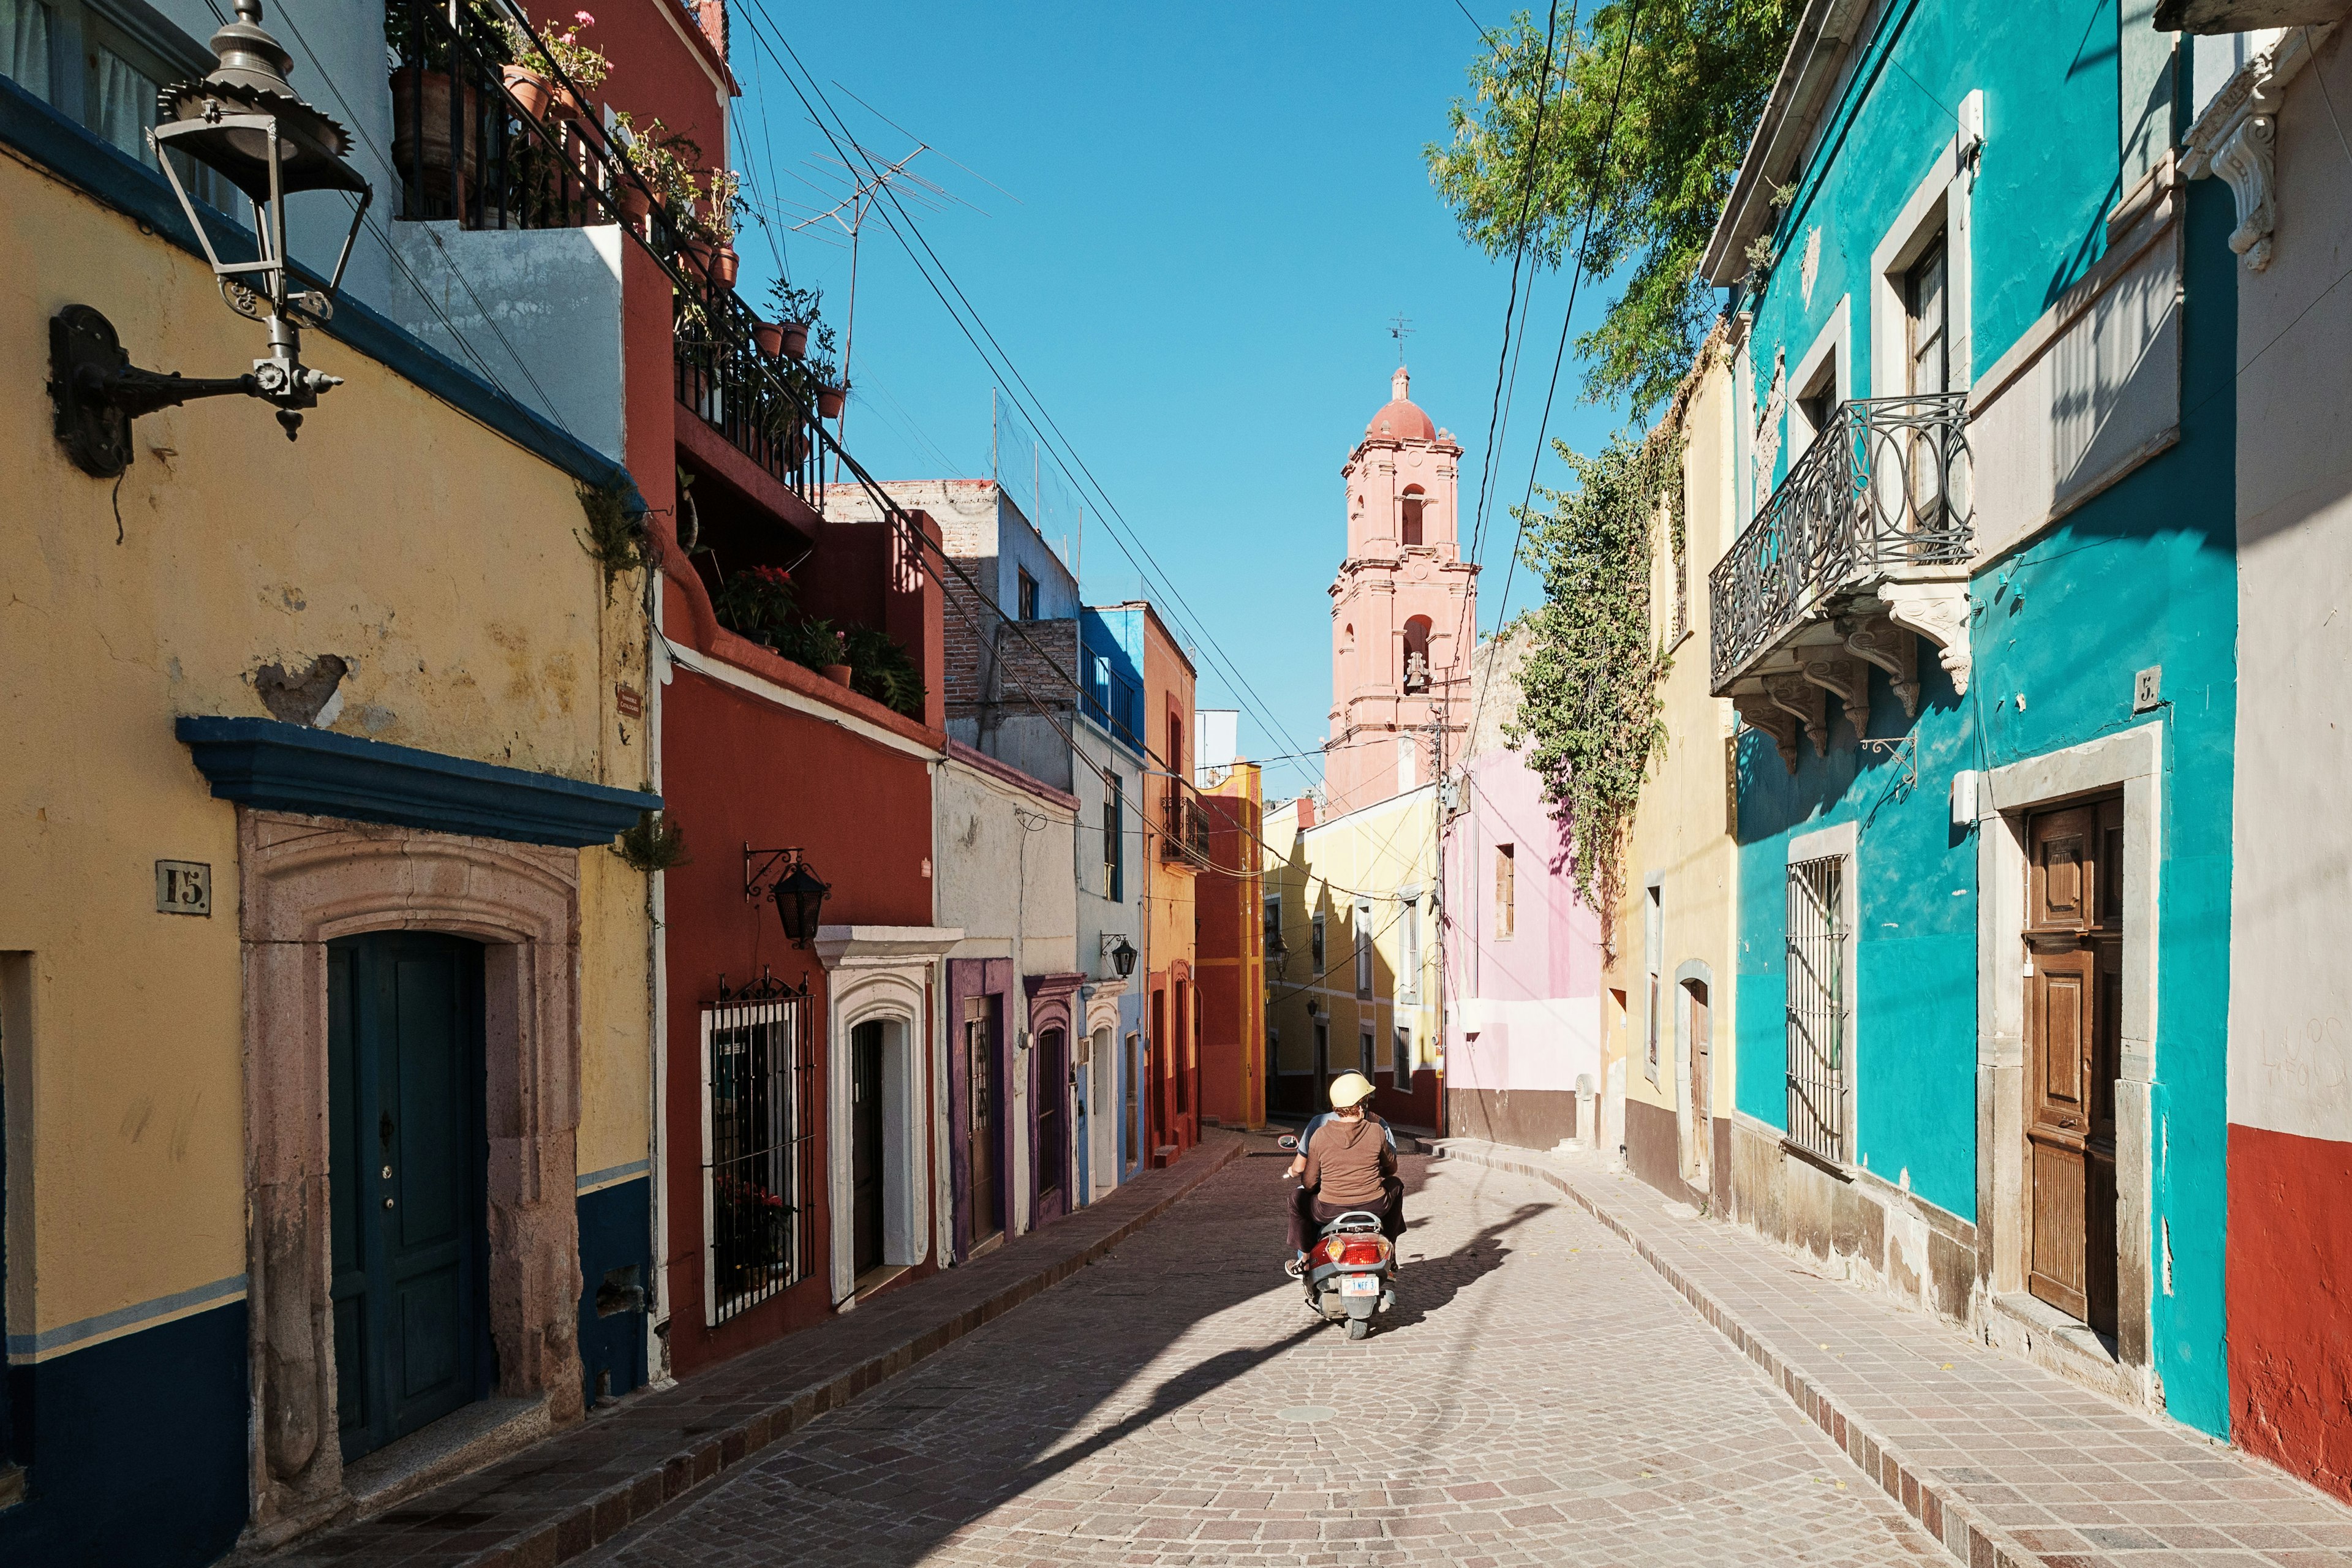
783	878
1122	958
246	123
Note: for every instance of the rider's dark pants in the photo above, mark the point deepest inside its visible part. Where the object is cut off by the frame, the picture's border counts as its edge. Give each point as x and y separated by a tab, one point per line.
1309	1214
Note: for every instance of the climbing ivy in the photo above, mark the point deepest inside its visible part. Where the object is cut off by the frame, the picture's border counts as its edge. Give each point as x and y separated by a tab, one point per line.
1590	721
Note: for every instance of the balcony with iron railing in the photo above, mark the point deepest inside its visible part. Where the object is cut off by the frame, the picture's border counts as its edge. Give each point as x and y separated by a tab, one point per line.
1866	542
1184	827
470	148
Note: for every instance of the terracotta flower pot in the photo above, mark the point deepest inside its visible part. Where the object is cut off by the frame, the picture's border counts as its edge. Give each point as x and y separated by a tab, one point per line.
829	400
428	144
698	252
563	105
635	204
796	338
768	338
529	90
837	673
724	266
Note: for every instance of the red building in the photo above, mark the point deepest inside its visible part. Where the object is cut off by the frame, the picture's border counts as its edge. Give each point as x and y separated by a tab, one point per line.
1229	911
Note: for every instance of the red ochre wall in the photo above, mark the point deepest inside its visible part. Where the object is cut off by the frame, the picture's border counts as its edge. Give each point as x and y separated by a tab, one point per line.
738	770
659	70
2290	1303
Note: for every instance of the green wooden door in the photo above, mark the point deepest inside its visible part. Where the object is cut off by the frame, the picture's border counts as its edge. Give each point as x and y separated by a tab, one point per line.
408	1172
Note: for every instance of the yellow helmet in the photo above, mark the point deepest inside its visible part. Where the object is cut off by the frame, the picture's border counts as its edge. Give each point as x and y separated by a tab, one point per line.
1349	1089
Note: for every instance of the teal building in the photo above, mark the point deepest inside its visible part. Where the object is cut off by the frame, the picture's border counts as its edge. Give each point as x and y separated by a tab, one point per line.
1980	634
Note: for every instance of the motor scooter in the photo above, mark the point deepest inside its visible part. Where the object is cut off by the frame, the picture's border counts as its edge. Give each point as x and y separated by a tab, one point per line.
1351	1269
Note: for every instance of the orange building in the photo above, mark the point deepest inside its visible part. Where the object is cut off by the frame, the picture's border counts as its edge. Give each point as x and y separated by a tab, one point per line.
1229	966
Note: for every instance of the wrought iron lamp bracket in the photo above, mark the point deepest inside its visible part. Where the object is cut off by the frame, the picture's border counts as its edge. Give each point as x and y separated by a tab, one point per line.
99	391
763	869
1901	747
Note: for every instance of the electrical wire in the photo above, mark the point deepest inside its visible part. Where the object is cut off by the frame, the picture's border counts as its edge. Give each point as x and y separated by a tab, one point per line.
1113	520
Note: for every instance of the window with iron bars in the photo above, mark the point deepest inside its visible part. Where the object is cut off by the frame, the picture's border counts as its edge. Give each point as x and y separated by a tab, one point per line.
1817	1057
760	1180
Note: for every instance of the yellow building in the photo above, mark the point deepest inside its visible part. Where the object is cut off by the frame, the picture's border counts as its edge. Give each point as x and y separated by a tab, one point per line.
312	1001
1669	949
1351	956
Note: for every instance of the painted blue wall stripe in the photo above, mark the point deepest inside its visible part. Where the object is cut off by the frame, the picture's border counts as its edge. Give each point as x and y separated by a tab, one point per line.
65	1335
611	1173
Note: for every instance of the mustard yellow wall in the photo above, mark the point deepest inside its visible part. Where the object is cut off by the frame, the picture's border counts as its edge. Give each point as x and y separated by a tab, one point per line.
1683	826
1378	851
435	556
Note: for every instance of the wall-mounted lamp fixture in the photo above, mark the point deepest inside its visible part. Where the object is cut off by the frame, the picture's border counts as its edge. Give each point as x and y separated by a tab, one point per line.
798	895
245	122
1121	953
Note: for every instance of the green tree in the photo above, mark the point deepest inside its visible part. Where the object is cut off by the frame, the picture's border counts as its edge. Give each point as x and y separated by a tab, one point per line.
1695	85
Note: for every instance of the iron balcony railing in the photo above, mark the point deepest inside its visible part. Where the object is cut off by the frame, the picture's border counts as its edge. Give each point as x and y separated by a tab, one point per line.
1886	485
467	150
1185	826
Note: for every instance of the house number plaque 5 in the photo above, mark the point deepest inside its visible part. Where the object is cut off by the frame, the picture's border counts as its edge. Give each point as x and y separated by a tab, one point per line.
183	888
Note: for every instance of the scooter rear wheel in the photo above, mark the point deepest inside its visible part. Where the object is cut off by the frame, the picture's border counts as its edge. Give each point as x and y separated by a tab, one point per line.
1359	1328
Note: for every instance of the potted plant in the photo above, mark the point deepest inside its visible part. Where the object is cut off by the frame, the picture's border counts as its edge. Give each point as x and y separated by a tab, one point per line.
796	313
830	400
661	159
534	76
717	211
768	337
422	95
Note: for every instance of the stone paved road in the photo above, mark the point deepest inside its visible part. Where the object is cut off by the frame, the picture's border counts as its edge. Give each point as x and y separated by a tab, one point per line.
1540	1397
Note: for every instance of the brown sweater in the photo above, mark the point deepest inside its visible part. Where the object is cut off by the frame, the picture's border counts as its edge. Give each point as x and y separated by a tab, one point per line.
1350	1162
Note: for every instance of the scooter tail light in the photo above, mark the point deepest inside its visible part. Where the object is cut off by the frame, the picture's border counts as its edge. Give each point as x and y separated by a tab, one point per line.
1365	1249
1328	1250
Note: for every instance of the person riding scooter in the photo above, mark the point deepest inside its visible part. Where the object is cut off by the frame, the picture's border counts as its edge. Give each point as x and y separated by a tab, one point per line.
1347	1160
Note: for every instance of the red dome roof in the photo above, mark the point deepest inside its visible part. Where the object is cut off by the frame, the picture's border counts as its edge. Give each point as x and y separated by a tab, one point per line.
1400	419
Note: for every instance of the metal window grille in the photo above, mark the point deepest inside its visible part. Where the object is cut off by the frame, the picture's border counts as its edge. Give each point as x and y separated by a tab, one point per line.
1364	950
761	1179
1817	1007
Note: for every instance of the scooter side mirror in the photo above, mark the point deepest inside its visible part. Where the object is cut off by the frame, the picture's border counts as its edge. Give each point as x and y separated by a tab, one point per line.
1286	1141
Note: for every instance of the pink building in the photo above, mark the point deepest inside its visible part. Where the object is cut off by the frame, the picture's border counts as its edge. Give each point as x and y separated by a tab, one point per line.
1404	610
1522	954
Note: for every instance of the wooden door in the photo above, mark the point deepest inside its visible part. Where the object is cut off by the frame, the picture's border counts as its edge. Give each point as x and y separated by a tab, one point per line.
408	1159
1051	1130
2074	1025
866	1146
981	1131
1699	1030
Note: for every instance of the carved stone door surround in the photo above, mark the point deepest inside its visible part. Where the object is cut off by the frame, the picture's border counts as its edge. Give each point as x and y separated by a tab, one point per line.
306	881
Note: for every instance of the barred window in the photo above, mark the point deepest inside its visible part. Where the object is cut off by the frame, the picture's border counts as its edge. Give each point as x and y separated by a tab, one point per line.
760	1180
1817	1007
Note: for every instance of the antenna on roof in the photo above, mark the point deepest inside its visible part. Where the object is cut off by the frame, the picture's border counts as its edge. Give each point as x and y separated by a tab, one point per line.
1399	328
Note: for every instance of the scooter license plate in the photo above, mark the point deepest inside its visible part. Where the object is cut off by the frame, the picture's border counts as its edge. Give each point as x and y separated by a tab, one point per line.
1360	1285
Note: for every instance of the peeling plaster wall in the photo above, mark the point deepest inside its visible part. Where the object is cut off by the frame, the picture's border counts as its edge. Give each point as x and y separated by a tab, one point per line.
435	557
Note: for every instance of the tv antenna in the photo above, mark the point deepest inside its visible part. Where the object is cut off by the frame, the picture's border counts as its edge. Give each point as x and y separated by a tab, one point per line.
848	215
1399	328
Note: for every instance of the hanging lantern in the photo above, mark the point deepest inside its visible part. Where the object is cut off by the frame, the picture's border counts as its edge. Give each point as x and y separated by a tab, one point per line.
1122	958
798	893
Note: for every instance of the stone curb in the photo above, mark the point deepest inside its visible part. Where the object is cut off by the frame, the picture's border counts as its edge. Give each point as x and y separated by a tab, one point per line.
1963	1531
589	1523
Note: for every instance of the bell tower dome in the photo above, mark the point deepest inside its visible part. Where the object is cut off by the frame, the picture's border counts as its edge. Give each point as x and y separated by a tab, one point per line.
1404	610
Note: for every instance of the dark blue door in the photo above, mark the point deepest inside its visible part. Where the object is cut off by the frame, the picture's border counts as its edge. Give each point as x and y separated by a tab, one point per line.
408	1171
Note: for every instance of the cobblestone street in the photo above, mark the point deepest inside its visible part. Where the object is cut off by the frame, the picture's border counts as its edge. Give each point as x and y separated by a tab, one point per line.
1540	1397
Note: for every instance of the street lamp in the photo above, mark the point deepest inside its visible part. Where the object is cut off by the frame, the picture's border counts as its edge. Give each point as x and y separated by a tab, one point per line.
799	896
245	122
1121	956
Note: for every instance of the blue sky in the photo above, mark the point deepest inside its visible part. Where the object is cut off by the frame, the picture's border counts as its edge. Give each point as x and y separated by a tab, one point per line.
1217	213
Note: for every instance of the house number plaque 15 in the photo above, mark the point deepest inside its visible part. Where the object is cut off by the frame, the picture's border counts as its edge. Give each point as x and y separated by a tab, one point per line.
183	888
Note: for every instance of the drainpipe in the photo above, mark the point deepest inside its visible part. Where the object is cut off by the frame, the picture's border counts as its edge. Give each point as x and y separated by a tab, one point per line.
658	676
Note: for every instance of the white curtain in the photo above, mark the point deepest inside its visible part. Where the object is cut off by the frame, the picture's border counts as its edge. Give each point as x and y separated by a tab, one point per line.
25	45
123	103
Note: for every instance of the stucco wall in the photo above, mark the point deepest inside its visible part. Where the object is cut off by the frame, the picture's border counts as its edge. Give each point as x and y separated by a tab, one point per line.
2289	1071
237	550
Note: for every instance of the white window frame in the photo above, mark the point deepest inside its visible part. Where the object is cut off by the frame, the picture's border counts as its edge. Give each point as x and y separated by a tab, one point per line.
1939	205
1401	1058
1408	987
1832	349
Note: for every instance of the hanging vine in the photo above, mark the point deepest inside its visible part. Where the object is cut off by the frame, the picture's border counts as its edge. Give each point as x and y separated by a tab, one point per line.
1591	722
